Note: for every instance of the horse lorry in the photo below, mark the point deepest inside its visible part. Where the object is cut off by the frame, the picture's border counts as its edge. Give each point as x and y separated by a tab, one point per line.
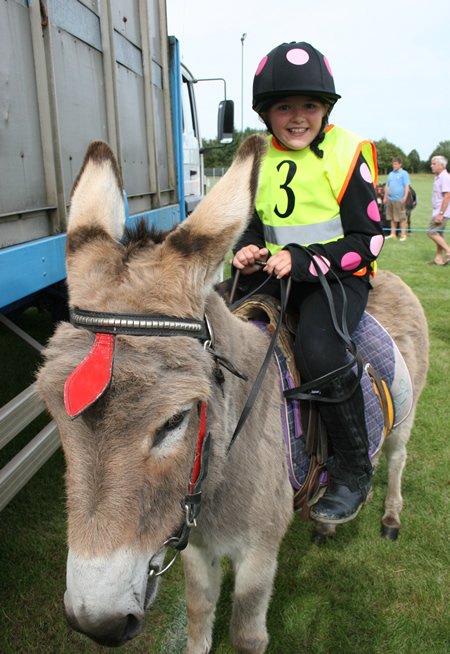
72	71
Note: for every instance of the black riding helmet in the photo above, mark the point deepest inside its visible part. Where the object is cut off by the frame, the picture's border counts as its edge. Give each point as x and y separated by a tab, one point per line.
294	69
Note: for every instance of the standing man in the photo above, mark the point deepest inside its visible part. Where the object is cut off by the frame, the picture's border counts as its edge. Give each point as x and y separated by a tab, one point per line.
440	202
395	196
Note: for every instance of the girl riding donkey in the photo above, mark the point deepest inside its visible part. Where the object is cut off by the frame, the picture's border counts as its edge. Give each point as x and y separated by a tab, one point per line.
316	215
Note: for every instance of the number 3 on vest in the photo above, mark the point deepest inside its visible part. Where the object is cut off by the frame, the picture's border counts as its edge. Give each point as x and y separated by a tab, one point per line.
292	169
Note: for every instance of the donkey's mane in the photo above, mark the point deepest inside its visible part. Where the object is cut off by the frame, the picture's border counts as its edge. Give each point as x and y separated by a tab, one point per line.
143	235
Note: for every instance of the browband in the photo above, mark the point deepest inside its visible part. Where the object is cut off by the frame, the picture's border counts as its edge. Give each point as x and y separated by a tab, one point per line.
138	325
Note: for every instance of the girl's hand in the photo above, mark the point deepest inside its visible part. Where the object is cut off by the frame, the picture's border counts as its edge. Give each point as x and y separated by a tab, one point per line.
280	264
244	259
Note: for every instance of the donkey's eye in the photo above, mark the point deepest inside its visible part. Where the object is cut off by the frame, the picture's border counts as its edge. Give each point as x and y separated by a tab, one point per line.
175	420
173	427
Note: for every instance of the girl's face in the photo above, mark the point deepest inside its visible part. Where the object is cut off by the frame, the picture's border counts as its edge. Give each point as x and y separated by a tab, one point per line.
296	120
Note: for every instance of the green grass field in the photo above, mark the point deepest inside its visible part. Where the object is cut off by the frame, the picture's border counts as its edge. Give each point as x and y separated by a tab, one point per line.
358	594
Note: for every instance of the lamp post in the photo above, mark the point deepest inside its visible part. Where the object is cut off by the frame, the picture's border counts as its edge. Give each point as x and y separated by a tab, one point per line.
243	37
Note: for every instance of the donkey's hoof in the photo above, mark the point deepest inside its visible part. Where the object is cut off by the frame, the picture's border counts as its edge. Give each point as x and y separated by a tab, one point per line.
390	533
320	539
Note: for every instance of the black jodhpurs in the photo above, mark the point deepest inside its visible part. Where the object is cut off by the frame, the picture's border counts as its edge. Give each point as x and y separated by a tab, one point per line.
318	347
319	350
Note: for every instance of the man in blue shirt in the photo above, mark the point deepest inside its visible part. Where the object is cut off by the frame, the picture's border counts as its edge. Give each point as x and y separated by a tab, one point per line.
395	195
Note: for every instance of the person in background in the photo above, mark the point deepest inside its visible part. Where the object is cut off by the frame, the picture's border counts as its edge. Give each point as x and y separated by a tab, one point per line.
316	212
395	196
440	203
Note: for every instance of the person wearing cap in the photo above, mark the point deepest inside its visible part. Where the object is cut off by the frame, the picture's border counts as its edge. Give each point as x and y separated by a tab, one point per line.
316	215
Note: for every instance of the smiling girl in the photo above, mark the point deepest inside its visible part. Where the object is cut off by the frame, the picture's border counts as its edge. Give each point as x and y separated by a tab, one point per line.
316	210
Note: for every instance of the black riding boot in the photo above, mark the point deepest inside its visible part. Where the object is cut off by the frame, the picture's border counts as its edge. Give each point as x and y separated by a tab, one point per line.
351	470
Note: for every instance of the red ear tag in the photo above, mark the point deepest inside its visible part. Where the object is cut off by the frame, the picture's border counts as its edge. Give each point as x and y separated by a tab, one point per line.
91	378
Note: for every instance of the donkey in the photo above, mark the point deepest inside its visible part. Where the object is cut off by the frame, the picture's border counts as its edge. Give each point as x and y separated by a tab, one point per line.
145	411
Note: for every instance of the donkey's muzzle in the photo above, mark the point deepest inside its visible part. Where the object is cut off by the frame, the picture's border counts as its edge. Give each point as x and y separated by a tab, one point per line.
111	631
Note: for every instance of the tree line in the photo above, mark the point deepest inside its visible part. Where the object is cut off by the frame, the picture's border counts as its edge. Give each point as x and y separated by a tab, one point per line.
386	151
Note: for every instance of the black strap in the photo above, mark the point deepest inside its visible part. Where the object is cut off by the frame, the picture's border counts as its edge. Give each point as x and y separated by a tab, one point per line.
233	305
285	288
138	324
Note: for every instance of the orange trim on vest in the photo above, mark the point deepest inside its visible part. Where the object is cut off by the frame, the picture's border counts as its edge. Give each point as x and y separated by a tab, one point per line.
352	167
361	272
278	146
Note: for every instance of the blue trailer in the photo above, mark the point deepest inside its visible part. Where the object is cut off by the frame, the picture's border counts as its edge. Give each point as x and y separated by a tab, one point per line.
72	71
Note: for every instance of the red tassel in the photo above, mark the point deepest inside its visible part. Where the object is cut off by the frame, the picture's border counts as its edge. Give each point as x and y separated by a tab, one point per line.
91	378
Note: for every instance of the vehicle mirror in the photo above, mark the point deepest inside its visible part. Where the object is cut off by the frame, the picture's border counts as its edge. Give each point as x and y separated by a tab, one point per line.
225	121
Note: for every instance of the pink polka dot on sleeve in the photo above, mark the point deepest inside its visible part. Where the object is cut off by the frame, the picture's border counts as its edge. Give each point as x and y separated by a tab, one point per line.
350	261
323	264
373	211
365	173
376	243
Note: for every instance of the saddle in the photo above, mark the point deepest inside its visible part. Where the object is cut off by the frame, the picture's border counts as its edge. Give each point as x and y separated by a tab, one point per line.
385	382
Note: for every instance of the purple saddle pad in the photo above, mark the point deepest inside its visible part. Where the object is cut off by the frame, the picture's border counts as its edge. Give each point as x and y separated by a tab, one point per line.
377	348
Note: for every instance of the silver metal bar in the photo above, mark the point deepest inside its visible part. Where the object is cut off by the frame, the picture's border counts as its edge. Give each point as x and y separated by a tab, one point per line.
24	212
149	102
18	413
29	340
167	98
27	462
109	72
48	154
47	77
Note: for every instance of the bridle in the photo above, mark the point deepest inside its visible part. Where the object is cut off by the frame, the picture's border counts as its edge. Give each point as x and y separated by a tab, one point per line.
92	377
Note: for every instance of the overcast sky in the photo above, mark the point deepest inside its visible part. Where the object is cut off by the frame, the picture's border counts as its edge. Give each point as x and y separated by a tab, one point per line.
390	60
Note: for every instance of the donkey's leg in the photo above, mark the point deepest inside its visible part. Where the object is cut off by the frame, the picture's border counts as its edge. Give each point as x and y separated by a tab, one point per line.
202	572
395	451
254	575
323	533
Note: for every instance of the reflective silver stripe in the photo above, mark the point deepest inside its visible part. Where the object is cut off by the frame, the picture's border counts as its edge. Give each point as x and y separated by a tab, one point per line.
304	234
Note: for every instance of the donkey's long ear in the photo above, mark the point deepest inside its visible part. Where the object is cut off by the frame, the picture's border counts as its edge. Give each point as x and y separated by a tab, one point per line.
221	217
96	222
97	197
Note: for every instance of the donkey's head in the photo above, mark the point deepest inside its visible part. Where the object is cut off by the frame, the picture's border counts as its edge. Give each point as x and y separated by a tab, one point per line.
126	401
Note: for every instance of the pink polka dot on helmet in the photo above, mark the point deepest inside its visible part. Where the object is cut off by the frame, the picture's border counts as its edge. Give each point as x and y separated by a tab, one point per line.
293	69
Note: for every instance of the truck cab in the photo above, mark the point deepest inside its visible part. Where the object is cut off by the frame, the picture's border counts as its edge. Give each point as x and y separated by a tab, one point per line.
194	183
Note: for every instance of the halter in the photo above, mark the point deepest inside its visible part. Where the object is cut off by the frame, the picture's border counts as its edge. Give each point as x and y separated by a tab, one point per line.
91	378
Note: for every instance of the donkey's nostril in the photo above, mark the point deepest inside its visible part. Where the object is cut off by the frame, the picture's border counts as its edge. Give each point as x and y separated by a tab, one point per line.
133	627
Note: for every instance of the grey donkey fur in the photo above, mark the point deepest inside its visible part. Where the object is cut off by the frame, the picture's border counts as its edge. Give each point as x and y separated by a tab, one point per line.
129	456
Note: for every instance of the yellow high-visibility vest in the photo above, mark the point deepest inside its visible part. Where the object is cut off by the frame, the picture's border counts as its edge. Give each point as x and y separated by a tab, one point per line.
299	194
